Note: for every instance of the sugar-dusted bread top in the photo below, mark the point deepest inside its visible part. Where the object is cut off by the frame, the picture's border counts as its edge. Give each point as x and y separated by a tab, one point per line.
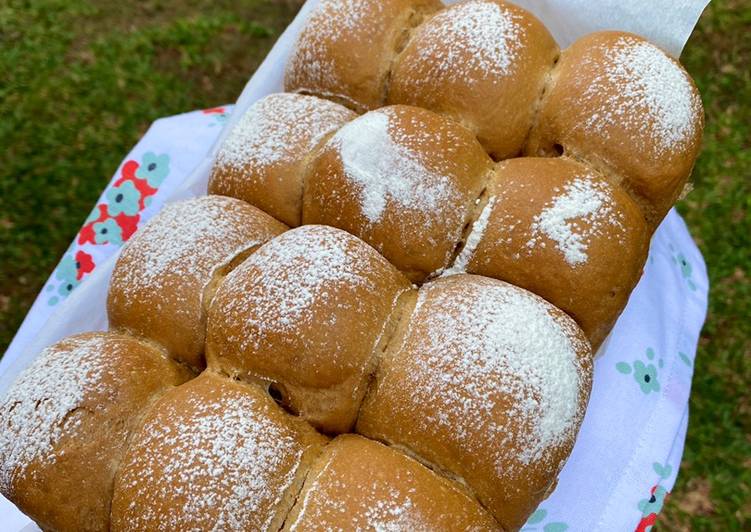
490	383
625	107
403	179
359	484
307	311
483	63
213	454
164	277
262	160
345	51
562	231
66	421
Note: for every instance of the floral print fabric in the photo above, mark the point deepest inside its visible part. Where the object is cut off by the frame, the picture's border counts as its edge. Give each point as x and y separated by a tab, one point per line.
120	210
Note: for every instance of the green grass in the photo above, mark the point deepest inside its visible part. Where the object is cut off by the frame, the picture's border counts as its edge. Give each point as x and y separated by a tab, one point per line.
83	80
714	485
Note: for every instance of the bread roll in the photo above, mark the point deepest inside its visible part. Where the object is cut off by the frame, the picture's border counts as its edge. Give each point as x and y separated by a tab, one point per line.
213	454
308	312
560	230
345	50
163	280
65	423
621	104
482	62
263	158
358	484
489	383
403	179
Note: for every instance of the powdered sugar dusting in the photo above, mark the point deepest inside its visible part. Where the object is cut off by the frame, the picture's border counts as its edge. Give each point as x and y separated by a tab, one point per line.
383	169
384	515
579	213
473	38
473	240
482	342
395	512
34	414
362	487
187	240
312	65
280	128
647	83
293	274
218	463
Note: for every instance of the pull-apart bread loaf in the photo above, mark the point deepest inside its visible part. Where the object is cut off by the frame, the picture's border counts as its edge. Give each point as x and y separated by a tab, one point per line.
166	274
611	100
307	314
421	190
469	237
487	383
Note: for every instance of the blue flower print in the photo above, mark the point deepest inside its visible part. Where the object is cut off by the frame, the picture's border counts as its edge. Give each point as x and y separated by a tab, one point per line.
66	270
646	376
535	523
67	273
687	270
645	373
93	215
653	505
153	168
108	231
123	199
67	287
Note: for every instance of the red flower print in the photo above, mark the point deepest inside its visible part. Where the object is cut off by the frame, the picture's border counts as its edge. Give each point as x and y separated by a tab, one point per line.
128	224
646	522
128	171
145	190
116	219
86	235
84	264
214	111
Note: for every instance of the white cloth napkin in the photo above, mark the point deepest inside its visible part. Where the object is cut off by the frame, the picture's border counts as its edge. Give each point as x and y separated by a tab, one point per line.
628	452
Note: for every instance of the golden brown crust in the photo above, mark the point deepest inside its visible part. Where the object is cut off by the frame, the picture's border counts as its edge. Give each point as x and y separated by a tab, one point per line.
66	422
403	179
483	63
345	51
158	288
358	484
306	311
262	160
624	106
213	454
561	231
489	384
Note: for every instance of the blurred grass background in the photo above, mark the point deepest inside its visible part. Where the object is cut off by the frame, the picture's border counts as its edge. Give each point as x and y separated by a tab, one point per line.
80	82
